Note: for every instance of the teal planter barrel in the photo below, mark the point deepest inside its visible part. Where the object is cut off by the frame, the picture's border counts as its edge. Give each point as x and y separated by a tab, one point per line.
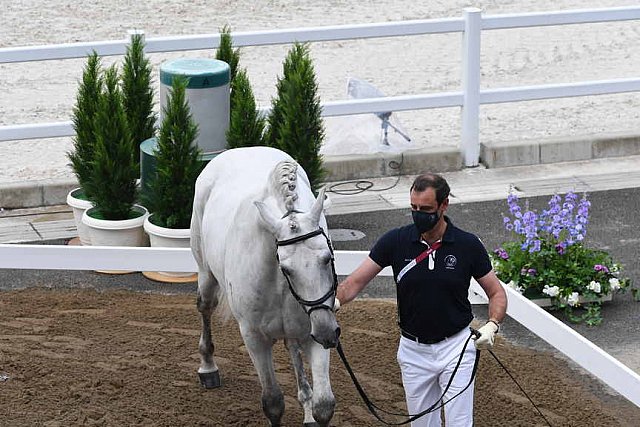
207	94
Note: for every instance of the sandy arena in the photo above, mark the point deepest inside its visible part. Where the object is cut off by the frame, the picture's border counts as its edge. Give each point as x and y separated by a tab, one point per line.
44	91
79	357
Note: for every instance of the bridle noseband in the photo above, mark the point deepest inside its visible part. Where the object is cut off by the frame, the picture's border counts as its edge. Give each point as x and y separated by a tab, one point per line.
316	304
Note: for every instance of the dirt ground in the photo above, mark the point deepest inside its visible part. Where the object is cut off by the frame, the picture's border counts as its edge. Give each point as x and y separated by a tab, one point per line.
118	358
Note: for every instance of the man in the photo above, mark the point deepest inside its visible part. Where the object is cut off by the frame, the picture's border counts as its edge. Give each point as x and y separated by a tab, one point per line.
433	262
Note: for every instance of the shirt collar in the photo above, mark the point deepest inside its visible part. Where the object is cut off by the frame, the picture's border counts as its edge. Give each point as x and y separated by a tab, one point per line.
448	232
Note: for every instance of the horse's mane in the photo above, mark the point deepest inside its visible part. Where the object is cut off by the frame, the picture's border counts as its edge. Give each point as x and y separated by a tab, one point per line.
284	179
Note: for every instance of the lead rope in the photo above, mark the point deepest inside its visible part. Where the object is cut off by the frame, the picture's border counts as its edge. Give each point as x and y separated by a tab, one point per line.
373	408
521	389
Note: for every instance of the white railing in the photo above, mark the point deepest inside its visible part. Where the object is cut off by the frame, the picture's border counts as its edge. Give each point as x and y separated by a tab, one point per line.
469	98
591	357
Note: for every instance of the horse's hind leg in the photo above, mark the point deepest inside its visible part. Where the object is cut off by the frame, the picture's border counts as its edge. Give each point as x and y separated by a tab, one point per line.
304	389
207	302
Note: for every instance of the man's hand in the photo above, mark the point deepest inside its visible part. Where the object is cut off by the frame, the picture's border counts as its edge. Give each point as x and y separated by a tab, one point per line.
487	336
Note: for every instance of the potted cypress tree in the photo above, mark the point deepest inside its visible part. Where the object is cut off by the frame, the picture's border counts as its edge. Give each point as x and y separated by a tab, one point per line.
295	122
171	189
81	156
114	220
246	125
227	53
138	94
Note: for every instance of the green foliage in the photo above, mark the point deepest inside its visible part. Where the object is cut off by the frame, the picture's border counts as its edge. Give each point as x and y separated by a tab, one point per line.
572	271
295	122
274	121
138	93
226	52
547	258
84	113
246	126
171	190
112	183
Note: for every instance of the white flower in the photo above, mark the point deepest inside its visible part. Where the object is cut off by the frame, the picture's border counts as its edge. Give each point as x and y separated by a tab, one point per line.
552	291
573	299
515	286
594	286
614	283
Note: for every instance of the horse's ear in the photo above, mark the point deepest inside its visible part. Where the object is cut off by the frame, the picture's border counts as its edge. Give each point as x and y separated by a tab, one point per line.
268	218
316	209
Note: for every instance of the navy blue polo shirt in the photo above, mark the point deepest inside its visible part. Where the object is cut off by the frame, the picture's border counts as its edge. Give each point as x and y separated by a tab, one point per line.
433	303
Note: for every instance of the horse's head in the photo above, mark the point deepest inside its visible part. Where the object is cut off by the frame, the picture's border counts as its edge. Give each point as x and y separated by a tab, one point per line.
305	257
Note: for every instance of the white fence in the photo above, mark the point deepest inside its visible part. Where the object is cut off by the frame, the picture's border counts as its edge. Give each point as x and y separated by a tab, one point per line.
575	346
469	98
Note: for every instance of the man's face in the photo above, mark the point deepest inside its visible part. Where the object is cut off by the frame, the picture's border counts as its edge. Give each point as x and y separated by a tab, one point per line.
424	201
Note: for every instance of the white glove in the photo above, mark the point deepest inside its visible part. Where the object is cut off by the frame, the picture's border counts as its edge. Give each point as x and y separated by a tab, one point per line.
336	305
487	336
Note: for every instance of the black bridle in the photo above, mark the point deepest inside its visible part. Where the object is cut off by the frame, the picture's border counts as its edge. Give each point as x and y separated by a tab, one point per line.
311	305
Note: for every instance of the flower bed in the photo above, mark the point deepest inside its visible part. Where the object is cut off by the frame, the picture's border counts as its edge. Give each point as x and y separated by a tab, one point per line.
548	260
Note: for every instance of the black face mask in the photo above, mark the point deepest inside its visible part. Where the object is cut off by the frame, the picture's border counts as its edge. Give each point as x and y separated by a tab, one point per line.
425	221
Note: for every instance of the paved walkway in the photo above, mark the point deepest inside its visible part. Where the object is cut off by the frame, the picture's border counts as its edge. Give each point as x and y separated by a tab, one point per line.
481	184
468	185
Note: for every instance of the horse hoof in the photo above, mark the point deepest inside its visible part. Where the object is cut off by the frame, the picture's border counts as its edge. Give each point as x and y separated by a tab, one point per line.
210	379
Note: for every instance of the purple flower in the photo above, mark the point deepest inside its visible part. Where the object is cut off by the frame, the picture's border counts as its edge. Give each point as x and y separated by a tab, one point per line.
501	253
512	201
560	248
600	267
532	272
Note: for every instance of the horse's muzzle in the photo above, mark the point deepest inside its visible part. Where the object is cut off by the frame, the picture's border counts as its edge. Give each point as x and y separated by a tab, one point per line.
324	328
329	343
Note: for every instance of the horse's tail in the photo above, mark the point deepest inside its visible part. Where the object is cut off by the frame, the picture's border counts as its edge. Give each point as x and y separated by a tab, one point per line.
200	198
223	310
202	194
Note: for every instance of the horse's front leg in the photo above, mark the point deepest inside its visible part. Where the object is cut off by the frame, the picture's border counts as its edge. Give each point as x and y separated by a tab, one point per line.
207	301
304	389
323	401
260	350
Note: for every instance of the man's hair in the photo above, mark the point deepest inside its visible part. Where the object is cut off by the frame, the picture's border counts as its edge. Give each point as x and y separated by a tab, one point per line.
431	180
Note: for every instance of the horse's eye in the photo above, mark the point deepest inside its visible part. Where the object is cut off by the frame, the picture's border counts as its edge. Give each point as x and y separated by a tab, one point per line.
325	259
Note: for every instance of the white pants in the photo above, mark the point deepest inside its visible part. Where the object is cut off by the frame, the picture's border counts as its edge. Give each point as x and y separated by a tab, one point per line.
426	370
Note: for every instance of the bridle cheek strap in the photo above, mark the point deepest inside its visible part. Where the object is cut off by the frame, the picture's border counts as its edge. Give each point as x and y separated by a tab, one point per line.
311	305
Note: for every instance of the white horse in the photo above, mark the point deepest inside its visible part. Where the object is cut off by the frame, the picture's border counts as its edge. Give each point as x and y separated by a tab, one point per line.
260	240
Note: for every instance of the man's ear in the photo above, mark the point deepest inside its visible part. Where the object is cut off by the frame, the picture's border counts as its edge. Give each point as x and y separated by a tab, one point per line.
446	203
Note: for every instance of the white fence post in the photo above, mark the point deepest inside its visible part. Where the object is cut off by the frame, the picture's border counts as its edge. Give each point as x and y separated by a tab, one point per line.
470	143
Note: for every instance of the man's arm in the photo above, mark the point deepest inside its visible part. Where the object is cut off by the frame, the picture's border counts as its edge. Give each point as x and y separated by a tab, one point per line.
497	310
497	296
356	281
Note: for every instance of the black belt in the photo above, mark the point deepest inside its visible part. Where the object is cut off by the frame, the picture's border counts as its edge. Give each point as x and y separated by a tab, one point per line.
425	340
